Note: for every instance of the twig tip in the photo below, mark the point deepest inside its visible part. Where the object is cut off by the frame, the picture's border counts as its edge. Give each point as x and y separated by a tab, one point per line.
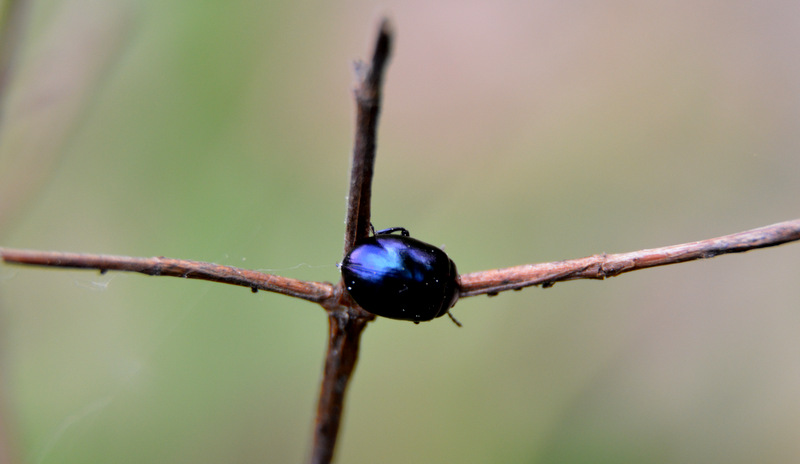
386	29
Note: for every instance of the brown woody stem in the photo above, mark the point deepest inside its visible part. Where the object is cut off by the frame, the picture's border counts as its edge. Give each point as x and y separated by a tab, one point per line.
346	320
317	292
602	266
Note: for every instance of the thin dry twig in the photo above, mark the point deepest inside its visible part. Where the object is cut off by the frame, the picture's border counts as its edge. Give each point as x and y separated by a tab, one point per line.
603	265
346	320
472	284
344	337
368	106
311	291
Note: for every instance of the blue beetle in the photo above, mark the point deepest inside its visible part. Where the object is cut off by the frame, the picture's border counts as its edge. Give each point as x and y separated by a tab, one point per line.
400	277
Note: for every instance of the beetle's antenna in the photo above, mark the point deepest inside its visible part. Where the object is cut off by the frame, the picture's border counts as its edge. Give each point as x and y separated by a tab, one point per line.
452	318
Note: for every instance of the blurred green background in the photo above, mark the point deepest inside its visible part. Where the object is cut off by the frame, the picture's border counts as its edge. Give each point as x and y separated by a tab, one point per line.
512	132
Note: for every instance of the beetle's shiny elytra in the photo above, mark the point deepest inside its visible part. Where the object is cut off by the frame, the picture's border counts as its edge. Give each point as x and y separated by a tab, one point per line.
400	277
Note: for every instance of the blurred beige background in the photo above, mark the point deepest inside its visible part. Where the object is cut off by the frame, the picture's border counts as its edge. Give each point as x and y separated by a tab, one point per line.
512	132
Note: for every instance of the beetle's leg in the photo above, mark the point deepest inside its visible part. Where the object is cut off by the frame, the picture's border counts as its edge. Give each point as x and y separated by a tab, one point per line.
452	318
403	231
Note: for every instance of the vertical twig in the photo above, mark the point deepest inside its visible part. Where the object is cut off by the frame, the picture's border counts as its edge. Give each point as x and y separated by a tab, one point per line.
346	320
368	102
343	342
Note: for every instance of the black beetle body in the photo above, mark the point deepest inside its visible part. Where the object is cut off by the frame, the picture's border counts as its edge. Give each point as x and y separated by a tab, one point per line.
400	277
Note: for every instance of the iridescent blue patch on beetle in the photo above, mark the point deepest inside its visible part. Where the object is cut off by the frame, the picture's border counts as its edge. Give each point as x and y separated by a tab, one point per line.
400	277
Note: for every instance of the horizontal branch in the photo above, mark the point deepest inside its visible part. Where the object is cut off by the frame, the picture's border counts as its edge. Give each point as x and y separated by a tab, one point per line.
602	266
311	291
472	284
